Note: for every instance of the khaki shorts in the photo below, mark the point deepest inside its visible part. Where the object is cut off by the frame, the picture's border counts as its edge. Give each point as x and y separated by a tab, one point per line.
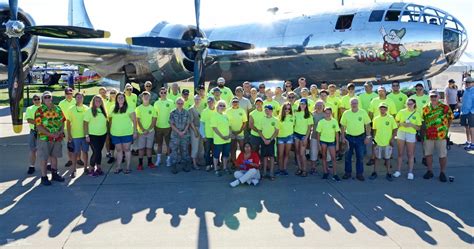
46	149
383	152
430	146
146	141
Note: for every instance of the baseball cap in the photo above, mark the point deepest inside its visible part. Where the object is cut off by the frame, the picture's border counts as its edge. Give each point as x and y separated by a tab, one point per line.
419	84
304	100
368	83
200	87
383	104
235	99
47	93
210	99
185	91
451	81
269	107
221	80
216	89
68	90
258	99
469	80
381	88
433	93
350	85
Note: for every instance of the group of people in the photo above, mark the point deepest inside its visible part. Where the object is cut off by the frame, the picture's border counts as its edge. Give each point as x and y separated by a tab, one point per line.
209	128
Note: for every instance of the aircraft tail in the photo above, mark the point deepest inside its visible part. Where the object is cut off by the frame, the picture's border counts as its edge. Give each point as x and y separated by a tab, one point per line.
77	14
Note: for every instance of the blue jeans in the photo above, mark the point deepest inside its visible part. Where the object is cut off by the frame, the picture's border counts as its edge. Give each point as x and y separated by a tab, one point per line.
357	144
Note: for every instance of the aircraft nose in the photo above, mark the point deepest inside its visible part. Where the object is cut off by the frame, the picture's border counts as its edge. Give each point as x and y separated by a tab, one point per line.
454	39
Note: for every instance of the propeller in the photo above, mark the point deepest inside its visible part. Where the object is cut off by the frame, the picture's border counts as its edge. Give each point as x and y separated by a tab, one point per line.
14	29
199	44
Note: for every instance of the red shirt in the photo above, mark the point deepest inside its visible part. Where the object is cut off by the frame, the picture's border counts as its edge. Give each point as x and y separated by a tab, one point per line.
244	164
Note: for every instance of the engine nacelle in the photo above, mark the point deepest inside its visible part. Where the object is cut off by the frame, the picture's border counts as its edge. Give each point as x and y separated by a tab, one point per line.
28	43
167	65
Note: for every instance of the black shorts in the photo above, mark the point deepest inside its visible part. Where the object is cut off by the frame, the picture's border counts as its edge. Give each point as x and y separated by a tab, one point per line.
255	141
467	120
267	150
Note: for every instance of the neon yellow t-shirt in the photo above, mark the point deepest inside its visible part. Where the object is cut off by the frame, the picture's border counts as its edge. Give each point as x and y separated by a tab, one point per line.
132	100
65	105
384	126
336	102
206	115
403	115
76	117
354	122
286	127
236	117
97	125
122	124
30	114
301	123
173	97
327	130
374	106
226	94
346	101
399	99
365	99
276	106
421	101
222	123
333	107
163	109
188	103
109	106
269	125
257	119
145	114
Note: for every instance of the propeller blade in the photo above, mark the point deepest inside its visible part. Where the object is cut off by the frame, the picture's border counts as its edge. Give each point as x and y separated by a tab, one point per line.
66	32
159	42
197	10
13	9
198	69
230	45
15	83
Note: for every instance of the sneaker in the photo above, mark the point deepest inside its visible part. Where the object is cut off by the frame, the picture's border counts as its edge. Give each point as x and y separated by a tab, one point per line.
467	143
389	177
373	176
80	162
31	170
442	177
218	173
86	172
45	181
68	164
346	176
134	152
410	176
284	172
151	165
469	147
168	162
209	168
73	175
109	155
370	162
428	175
336	178
99	171
235	183
111	160
360	178
254	182
94	174
325	176
158	160
140	167
397	174
56	177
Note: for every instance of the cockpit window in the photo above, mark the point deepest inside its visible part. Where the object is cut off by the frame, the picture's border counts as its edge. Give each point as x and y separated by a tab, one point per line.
392	16
344	22
376	15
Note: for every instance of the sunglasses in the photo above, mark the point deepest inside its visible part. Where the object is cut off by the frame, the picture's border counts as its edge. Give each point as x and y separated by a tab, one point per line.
288	86
36	99
180	103
47	97
68	93
221	106
128	89
261	87
113	93
287	109
148	86
395	85
291	97
163	93
419	89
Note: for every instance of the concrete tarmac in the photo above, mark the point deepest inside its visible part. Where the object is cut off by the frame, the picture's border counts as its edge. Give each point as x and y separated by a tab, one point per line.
154	208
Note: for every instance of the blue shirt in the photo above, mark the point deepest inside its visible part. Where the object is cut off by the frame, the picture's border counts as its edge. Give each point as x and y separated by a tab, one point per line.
468	101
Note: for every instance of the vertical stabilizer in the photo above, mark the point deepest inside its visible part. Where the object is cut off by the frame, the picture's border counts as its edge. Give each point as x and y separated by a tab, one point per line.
77	14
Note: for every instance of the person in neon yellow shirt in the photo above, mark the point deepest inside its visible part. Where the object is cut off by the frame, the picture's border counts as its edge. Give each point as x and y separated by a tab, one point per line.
409	122
420	97
303	124
226	93
65	104
221	134
95	131
305	95
132	98
323	94
146	123
367	96
33	135
188	102
270	101
335	100
207	133
238	123
174	92
346	99
374	110
75	133
291	98
109	107
255	118
385	129
314	93
396	96
318	114
286	128
123	131
268	134
163	108
328	139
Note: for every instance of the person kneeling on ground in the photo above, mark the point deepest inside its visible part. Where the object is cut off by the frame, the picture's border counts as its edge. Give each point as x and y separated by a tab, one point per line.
249	163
